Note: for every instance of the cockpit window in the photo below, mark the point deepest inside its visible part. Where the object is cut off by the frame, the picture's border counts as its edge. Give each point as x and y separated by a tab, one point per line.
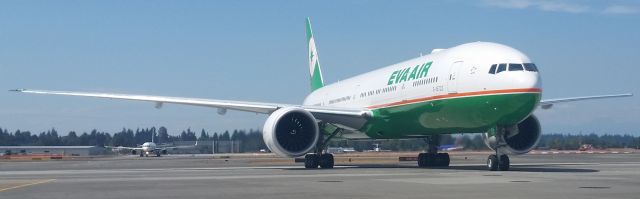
501	67
497	68
530	67
515	67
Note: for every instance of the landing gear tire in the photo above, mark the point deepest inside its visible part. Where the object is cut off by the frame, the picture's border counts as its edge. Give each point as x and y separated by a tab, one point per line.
311	161
492	163
141	154
426	160
157	154
421	160
504	163
442	160
326	161
433	160
495	164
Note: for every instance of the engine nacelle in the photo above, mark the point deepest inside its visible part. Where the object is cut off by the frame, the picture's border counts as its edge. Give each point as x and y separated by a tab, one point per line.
519	139
133	152
291	132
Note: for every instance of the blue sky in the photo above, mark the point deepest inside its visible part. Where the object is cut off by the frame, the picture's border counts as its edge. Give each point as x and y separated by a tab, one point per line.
256	51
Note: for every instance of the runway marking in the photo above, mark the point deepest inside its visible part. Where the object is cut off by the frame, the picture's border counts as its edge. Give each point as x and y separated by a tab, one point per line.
539	164
234	177
78	173
577	152
28	184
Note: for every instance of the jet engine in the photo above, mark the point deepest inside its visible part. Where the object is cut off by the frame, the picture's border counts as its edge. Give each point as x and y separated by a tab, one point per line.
133	152
519	139
290	132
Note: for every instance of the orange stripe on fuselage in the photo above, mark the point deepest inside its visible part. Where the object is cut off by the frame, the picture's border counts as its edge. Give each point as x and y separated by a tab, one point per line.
455	95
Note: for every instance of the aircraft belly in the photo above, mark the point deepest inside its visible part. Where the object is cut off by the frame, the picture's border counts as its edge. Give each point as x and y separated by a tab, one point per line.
447	116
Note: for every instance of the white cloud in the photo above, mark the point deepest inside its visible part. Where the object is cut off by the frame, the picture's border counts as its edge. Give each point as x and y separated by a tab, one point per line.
620	9
548	5
515	4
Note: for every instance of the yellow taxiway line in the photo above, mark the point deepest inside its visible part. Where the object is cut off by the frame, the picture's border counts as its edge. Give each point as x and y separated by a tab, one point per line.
28	184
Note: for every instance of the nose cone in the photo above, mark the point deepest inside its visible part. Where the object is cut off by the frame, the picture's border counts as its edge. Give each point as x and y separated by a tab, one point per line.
526	79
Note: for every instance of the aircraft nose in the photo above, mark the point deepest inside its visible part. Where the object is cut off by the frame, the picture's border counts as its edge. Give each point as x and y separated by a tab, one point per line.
526	79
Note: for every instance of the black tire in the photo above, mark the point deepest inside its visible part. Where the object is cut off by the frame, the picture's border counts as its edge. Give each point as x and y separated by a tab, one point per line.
442	160
157	154
421	161
326	161
504	163
492	163
141	154
311	161
430	160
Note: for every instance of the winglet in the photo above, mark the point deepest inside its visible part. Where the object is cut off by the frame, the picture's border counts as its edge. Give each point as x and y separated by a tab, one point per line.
314	62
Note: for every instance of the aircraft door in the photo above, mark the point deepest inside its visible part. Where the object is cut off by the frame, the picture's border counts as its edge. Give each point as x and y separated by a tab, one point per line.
452	83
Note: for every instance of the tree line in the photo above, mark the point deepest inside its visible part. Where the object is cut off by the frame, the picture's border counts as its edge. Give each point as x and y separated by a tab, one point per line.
251	140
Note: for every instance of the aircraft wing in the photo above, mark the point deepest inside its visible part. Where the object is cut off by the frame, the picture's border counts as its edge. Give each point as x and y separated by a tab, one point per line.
348	117
548	103
123	147
176	147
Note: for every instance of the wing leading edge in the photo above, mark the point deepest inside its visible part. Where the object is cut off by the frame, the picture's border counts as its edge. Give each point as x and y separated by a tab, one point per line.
352	118
548	103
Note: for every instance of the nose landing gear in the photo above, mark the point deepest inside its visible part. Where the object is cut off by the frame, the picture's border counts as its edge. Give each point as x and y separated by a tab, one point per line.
499	161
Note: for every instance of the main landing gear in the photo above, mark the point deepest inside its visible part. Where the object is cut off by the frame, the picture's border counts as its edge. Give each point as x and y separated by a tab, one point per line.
313	160
324	160
432	158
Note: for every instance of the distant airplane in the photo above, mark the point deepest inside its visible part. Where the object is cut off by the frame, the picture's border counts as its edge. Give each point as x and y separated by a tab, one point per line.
478	87
340	150
450	147
377	149
456	146
149	148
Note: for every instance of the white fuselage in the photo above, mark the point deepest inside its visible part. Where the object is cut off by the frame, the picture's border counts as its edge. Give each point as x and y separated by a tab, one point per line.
148	147
461	69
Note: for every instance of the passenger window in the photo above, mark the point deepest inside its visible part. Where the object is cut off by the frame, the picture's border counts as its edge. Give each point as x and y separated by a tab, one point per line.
530	67
493	69
515	67
501	67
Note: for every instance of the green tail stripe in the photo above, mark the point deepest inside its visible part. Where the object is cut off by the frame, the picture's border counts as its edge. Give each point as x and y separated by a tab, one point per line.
316	74
309	31
316	81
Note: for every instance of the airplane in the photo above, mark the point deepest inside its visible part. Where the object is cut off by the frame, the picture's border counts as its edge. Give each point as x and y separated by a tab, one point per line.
377	149
456	146
478	87
450	147
149	148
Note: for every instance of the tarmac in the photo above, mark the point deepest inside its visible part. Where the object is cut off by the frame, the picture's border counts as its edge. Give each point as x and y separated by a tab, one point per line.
255	176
